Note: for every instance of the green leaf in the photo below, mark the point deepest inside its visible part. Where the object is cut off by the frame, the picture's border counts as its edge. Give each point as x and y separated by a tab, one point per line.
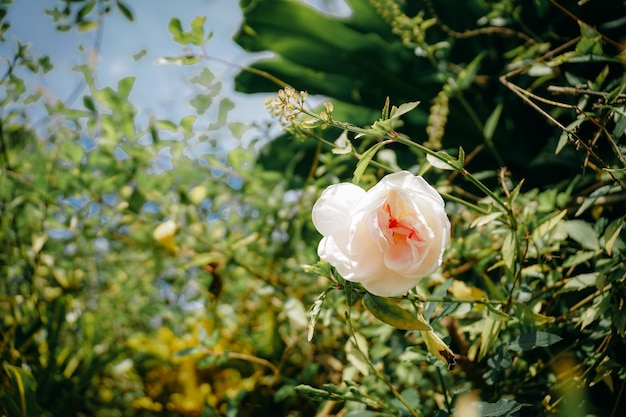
84	11
364	161
529	341
314	312
483	220
489	335
467	75
611	234
544	228
501	408
201	103
166	125
592	199
492	122
203	78
495	314
583	233
19	393
509	251
445	162
402	109
389	312
580	282
72	151
124	86
137	56
125	10
176	29
578	258
362	413
89	104
590	42
315	393
204	259
196	36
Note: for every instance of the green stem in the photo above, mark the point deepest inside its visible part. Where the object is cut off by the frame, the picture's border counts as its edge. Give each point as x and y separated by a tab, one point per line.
481	128
408	142
393	390
446	299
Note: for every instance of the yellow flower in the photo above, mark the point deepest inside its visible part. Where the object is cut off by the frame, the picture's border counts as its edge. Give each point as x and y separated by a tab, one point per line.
164	234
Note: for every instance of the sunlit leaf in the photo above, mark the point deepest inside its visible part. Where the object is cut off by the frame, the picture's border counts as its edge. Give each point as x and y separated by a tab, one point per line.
364	161
545	227
402	109
483	220
439	162
583	233
509	251
580	282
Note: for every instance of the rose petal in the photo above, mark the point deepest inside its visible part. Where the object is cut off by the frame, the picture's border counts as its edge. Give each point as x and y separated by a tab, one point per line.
367	259
387	238
331	210
392	285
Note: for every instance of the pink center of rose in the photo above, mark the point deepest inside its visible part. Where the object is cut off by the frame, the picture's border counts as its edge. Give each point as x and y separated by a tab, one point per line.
400	229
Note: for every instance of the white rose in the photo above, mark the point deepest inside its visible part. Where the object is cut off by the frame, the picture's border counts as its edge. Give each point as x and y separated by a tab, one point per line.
387	238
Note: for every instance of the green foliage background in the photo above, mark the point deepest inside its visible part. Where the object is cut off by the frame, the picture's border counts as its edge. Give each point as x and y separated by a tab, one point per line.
130	289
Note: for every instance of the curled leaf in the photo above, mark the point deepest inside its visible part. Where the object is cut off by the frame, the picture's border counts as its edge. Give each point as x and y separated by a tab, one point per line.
437	347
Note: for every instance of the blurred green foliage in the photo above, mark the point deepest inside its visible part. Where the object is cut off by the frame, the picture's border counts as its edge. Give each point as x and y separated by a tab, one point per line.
146	269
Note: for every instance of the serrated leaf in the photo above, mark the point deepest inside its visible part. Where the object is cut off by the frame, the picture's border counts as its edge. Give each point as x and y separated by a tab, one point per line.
390	313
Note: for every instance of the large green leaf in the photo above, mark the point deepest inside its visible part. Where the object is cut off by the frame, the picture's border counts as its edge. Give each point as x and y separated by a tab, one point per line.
391	313
325	55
